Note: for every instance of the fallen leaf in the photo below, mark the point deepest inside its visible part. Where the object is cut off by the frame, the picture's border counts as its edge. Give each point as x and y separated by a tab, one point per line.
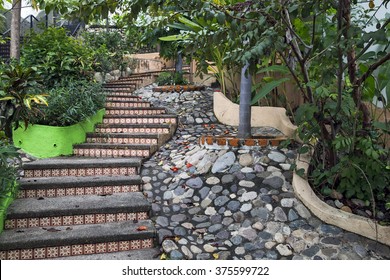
174	169
53	230
216	256
227	132
189	165
142	228
163	256
212	126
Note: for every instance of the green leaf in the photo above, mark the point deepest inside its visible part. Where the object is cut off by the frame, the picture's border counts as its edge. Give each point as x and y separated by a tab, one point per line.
196	27
274	68
173	38
267	89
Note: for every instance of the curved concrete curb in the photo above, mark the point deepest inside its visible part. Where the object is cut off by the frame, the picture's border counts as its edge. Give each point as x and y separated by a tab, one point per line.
348	221
227	113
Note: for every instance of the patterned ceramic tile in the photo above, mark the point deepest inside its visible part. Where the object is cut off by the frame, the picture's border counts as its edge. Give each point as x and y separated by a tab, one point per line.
13	255
52	252
39	253
89	219
33	222
89	249
65	251
101	248
44	222
27	254
124	245
3	255
51	193
21	223
10	224
135	244
56	221
61	192
77	250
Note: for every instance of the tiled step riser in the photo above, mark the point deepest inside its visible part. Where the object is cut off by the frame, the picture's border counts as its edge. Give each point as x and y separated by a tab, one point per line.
132	130
113	97
129	120
77	191
121	140
77	250
113	152
127	104
88	219
120	93
135	112
98	171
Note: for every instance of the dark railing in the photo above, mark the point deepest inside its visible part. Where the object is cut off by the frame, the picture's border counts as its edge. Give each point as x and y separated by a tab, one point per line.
31	23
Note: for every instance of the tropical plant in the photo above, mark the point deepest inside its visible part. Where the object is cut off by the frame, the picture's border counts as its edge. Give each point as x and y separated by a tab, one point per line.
109	49
9	161
54	55
20	92
71	101
171	78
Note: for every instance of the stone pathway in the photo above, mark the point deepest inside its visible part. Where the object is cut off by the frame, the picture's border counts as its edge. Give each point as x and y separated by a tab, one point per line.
237	204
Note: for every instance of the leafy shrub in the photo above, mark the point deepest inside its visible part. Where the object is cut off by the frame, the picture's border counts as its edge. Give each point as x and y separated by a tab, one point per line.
9	159
168	78
72	101
55	55
20	92
110	48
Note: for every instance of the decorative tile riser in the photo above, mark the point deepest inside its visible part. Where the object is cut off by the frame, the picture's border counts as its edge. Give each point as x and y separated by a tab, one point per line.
76	250
99	171
134	112
133	130
128	104
129	89
111	153
112	97
127	93
114	140
138	120
74	220
60	191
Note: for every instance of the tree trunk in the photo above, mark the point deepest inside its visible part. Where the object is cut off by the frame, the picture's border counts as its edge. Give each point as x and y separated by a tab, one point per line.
179	63
244	127
15	29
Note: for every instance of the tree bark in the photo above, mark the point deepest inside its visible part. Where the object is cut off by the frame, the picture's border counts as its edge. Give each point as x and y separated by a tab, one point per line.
244	127
179	62
15	29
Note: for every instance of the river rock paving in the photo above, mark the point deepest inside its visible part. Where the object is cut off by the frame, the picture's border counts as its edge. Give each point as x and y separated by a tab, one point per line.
233	204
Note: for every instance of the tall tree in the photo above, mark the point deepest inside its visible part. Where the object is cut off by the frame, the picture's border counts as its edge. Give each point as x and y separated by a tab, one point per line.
15	29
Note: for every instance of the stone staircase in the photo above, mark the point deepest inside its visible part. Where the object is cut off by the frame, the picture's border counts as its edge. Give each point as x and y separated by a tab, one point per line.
91	205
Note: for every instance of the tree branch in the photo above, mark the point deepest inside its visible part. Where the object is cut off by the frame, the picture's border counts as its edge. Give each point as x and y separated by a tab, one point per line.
372	68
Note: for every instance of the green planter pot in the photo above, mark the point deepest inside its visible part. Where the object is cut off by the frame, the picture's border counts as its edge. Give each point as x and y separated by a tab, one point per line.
43	141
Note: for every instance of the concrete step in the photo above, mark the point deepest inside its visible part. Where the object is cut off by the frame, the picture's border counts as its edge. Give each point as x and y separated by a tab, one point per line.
144	254
114	97
134	128
77	210
121	85
124	138
120	111
65	241
120	91
88	185
127	104
76	166
114	150
128	119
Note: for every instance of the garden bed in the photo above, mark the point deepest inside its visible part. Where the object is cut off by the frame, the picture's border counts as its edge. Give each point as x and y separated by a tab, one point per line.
345	220
44	141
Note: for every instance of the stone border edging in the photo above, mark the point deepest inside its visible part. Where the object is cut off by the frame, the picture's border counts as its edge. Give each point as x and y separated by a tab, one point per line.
227	113
226	142
356	224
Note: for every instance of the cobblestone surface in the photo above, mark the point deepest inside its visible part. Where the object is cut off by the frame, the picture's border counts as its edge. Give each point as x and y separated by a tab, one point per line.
236	204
